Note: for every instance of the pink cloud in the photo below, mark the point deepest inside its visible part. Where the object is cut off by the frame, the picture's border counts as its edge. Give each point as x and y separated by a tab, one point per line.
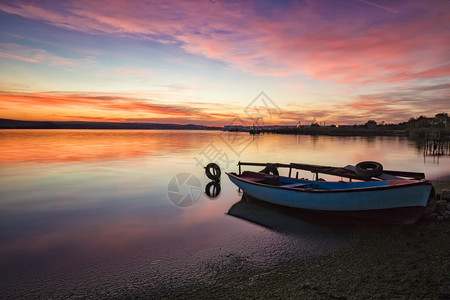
379	6
304	38
358	43
132	71
35	55
400	104
19	58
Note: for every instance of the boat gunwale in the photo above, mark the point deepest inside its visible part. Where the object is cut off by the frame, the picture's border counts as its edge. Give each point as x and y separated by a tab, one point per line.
362	189
334	171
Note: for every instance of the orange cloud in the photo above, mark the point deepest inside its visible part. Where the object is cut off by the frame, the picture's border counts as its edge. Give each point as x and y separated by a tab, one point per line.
64	106
396	105
105	103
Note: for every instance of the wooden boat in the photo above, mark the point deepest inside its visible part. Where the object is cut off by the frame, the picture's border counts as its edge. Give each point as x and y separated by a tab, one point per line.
368	197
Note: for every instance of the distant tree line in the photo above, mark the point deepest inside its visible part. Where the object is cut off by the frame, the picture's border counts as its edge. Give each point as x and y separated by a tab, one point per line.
438	121
414	127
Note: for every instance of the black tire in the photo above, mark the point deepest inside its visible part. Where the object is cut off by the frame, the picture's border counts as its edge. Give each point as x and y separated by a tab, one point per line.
270	169
369	169
213	171
212	189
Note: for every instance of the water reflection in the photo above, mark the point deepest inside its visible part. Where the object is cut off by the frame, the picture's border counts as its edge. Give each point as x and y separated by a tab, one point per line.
212	189
436	147
291	221
86	203
43	146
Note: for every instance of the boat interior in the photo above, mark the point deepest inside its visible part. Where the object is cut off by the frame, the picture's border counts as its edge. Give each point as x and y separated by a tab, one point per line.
293	183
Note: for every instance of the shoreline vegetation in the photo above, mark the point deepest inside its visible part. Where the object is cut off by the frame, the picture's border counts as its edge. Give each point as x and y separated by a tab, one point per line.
361	131
422	127
431	127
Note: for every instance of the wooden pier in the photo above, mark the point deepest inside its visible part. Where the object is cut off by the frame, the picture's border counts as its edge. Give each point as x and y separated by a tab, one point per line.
434	145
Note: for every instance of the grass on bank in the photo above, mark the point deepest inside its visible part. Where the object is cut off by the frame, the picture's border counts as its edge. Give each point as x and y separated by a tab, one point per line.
440	185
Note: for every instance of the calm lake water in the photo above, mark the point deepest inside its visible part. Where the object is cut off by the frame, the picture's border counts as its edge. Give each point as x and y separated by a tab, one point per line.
84	210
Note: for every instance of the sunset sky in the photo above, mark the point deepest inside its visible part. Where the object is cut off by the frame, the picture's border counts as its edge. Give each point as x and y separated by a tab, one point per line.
207	62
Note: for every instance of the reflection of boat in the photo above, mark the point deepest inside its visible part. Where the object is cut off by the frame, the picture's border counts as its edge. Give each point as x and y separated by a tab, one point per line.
285	220
309	233
389	199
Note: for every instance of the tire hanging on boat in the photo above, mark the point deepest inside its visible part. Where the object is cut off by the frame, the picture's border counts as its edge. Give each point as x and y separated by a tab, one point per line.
270	169
213	171
369	169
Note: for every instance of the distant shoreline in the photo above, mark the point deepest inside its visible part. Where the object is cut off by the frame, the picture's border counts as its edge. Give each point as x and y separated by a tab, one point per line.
17	124
345	130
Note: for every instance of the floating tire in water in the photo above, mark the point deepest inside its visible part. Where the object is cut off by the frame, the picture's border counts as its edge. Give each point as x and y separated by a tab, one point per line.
369	169
213	171
270	169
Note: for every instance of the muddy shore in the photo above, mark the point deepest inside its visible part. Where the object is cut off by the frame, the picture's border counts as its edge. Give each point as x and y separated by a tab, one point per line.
396	262
384	262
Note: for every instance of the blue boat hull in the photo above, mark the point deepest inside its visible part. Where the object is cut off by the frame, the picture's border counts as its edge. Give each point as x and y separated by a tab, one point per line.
407	196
